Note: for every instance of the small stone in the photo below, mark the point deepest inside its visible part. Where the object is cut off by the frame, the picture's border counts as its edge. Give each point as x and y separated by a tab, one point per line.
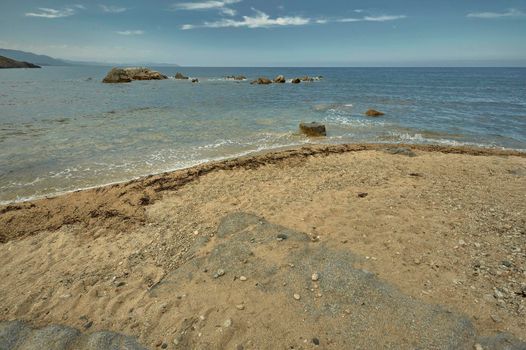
315	276
506	263
227	323
240	307
297	296
88	325
316	341
240	347
164	346
478	347
496	318
242	278
347	311
120	284
219	273
158	343
363	194
282	236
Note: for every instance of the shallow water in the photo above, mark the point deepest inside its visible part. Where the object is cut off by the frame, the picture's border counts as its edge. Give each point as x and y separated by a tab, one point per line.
61	130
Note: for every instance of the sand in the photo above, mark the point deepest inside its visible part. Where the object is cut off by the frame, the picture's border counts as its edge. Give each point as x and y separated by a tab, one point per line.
446	227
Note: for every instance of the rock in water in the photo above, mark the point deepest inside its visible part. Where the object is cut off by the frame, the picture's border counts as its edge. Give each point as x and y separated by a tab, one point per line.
195	80
180	76
279	79
126	75
296	81
307	78
313	129
262	81
373	113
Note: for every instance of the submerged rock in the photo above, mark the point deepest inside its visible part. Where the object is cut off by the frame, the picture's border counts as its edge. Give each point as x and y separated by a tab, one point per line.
279	79
296	81
374	113
306	78
195	80
313	129
236	77
126	75
180	76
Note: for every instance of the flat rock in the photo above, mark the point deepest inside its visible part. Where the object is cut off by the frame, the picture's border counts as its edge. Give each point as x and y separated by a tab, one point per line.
351	307
18	335
374	113
126	75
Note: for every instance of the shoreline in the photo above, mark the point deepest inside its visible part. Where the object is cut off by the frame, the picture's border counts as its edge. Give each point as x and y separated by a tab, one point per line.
463	149
124	202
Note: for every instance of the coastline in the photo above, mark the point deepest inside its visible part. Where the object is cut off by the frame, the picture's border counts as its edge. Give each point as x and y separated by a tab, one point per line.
430	225
145	190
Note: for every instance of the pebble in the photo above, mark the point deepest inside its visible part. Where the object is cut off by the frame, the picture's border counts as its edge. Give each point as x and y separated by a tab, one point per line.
478	347
227	323
315	276
219	273
164	346
506	263
121	283
496	318
282	236
242	278
363	194
316	341
297	296
240	307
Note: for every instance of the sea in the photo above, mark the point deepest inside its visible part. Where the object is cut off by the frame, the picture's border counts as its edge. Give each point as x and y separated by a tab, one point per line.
62	129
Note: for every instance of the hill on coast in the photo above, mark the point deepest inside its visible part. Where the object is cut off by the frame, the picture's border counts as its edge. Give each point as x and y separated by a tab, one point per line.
6	62
41	60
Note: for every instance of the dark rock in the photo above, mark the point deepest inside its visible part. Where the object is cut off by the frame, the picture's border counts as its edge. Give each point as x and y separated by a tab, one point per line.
126	75
280	79
401	150
6	62
262	81
180	76
363	194
313	129
315	341
506	263
282	236
296	81
374	113
306	78
236	77
195	80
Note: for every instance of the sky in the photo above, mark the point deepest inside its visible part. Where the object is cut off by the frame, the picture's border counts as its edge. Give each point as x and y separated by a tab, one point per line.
271	32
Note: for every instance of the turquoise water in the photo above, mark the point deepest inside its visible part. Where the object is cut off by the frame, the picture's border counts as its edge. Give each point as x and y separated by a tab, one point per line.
61	130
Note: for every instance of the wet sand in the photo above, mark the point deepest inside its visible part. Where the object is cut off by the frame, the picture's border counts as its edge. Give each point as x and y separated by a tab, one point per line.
443	226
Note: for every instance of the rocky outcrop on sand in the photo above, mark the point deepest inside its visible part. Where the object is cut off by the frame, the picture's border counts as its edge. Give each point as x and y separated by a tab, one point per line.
374	113
6	62
280	79
126	75
313	129
18	335
180	76
262	81
317	293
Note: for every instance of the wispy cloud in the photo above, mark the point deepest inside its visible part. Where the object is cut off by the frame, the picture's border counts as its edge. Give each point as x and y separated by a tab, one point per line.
259	20
220	5
112	9
496	15
262	20
131	32
44	12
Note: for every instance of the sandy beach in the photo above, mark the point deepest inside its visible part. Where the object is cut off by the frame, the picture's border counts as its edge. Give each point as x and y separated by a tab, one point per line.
439	230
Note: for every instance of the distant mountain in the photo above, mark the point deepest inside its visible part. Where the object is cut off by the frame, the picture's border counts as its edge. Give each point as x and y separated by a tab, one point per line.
41	60
9	63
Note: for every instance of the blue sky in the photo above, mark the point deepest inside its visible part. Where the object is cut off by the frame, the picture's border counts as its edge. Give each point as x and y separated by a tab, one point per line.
271	32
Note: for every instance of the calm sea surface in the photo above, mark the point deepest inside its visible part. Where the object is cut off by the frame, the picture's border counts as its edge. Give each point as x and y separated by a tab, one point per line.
62	129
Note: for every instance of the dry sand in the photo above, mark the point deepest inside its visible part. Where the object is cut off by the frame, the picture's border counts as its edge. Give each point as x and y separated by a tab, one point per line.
446	227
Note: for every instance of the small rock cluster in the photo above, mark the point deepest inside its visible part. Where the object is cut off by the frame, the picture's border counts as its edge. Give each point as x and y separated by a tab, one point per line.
127	75
280	79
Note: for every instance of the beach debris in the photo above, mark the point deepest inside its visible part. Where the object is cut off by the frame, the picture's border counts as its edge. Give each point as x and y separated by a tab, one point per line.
180	76
126	75
280	79
313	129
262	81
374	113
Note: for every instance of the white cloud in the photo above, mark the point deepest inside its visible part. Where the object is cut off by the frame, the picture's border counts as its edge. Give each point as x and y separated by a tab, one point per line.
131	32
220	5
44	12
260	20
496	15
112	9
384	18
